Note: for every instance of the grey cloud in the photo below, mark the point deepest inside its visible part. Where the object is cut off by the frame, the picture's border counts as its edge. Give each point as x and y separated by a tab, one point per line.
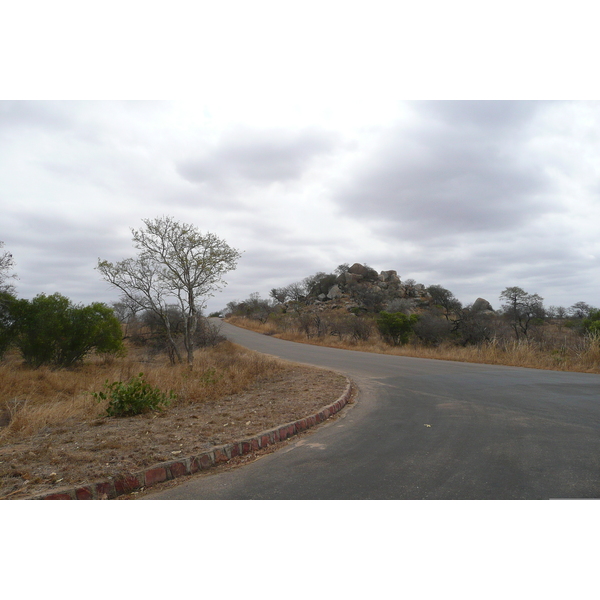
259	156
445	178
264	267
502	117
556	270
56	254
34	115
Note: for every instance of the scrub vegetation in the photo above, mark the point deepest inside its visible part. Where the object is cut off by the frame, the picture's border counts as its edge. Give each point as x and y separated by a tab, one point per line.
90	391
64	427
355	308
32	400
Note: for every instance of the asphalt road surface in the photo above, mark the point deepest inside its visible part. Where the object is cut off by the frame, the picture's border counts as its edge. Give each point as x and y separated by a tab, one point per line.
427	429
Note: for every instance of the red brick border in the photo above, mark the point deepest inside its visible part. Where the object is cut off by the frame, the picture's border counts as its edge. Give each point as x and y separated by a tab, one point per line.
129	482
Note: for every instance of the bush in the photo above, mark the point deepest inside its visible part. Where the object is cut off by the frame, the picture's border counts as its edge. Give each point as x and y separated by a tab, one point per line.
51	330
132	398
592	323
432	329
349	326
396	327
474	327
207	335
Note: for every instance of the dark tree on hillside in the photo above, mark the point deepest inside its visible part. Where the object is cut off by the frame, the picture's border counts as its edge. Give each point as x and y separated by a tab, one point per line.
297	292
445	299
410	287
371	299
341	269
280	294
473	327
319	283
522	309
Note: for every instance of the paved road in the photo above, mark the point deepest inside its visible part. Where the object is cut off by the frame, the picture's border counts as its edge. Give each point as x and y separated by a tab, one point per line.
495	433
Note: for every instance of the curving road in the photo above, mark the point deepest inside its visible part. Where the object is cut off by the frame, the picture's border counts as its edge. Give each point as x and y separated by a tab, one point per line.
428	429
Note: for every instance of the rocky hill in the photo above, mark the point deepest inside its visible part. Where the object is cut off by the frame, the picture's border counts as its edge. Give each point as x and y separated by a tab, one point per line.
362	287
359	288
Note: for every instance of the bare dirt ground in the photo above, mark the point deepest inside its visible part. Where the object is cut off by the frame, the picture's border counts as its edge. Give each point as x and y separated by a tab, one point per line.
75	454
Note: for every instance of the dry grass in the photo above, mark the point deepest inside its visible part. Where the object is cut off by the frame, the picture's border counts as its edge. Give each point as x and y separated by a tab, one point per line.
580	354
55	435
32	400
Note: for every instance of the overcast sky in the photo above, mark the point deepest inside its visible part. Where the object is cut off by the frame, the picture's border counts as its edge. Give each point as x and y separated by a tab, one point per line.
305	146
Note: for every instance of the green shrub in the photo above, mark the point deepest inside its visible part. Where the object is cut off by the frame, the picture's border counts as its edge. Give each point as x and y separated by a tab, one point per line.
132	398
592	324
52	330
396	327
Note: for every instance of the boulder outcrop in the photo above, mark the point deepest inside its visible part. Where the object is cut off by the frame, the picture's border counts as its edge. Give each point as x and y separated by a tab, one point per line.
334	292
389	276
361	288
482	305
364	272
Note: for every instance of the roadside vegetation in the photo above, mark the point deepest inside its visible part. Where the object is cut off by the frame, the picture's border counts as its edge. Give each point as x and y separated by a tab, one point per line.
90	392
63	364
35	399
356	308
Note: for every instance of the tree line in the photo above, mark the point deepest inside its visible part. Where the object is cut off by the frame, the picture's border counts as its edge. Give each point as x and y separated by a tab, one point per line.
428	315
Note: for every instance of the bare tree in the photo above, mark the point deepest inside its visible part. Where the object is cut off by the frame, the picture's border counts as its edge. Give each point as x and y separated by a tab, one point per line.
403	305
556	312
6	264
126	311
522	309
297	291
580	310
257	308
175	262
473	327
139	280
280	294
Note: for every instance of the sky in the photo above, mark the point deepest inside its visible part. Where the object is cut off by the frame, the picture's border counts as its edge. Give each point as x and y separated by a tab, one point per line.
306	143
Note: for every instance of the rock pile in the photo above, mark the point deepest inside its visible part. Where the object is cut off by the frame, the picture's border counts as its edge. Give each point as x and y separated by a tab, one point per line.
360	281
360	288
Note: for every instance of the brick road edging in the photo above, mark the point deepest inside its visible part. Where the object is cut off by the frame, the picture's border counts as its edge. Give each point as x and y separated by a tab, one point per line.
165	471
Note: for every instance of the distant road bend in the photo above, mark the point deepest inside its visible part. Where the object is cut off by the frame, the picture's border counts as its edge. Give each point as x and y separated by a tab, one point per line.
427	429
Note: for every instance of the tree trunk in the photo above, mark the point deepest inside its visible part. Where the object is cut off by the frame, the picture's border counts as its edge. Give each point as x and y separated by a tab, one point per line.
190	325
174	350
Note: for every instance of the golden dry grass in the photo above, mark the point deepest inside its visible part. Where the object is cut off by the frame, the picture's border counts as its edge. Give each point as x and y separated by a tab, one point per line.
33	399
582	355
